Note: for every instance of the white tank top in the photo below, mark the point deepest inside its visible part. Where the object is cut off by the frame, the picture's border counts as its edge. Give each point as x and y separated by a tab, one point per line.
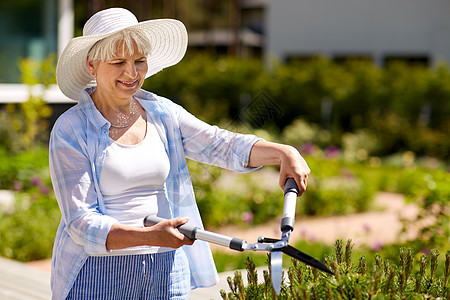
132	183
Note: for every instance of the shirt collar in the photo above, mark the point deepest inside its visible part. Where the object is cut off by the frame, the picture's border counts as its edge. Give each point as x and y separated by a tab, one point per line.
89	109
94	115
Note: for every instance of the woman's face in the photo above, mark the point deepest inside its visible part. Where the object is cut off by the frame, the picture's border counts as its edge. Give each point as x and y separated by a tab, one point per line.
122	76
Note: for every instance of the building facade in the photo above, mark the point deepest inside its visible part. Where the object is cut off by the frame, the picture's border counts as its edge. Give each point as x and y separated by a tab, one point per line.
376	30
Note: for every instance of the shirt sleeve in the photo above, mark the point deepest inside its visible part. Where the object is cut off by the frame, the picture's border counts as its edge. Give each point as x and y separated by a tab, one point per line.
73	183
212	145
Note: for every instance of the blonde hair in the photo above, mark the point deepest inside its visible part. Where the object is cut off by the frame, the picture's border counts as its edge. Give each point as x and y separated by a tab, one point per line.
129	40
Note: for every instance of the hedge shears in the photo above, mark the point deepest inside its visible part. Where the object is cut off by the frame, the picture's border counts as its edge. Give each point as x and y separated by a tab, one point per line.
274	246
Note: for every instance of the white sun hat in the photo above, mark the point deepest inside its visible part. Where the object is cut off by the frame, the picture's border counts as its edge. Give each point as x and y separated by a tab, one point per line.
168	38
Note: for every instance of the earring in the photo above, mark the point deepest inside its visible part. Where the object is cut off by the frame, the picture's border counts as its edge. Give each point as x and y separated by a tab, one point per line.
93	74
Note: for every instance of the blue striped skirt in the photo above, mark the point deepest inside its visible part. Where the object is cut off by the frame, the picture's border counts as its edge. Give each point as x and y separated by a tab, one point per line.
144	276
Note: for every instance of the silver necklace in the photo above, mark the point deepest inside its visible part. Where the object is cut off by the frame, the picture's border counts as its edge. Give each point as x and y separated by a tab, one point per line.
123	120
120	126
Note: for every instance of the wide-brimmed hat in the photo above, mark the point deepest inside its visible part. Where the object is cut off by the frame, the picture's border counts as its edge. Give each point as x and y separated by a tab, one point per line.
168	38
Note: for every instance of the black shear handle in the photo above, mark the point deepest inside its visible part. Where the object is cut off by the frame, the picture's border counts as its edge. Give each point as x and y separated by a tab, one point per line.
290	201
187	230
195	233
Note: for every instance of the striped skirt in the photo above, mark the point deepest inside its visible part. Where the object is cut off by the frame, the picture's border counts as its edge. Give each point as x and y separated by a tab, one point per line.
144	276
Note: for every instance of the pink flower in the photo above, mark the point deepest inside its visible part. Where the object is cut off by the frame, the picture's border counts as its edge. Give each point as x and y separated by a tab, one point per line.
425	251
332	152
247	217
308	148
377	246
366	227
35	180
45	190
17	186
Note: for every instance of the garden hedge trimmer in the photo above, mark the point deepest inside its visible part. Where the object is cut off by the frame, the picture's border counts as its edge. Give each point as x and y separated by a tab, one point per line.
274	246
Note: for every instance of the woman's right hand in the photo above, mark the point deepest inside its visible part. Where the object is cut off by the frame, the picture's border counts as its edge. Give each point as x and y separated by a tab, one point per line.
163	234
166	234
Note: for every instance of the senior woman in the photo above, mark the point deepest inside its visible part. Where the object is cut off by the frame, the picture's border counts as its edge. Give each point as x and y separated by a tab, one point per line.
120	154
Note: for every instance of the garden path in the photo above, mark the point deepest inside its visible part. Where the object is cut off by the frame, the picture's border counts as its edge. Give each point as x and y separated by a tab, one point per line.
373	229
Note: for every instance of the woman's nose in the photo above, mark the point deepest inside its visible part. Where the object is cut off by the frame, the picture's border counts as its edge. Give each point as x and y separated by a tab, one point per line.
130	70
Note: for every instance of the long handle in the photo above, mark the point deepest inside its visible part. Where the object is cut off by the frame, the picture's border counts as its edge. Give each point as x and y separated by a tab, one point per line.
195	233
290	201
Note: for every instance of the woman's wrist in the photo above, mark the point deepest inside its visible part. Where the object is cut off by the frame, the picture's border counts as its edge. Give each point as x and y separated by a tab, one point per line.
268	153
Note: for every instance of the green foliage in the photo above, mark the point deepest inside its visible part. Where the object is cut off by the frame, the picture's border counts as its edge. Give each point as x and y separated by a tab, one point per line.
228	199
332	190
335	187
237	261
38	71
29	230
433	195
24	125
210	89
19	171
388	110
409	279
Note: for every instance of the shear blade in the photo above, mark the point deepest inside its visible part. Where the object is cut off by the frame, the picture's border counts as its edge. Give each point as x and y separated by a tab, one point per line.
276	264
305	258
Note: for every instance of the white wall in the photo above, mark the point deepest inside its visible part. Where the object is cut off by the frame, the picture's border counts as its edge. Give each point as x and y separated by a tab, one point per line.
376	27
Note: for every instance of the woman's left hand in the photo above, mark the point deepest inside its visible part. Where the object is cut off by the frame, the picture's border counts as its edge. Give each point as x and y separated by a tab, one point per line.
292	164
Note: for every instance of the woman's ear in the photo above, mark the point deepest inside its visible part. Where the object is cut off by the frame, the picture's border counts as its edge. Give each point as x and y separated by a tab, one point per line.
91	66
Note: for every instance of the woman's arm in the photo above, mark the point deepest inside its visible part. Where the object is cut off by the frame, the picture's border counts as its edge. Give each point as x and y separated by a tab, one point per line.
292	164
212	145
164	234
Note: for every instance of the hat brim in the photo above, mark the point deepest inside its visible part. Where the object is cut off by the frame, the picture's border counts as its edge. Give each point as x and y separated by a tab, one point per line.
168	38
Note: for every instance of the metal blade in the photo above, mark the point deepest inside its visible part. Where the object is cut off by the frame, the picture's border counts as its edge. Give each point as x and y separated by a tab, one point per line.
305	258
276	264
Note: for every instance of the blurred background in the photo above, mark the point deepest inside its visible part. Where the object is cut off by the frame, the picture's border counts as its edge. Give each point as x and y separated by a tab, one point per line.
361	88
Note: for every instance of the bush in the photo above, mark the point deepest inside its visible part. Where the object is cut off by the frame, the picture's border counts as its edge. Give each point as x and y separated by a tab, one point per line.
19	171
409	279
254	198
337	195
28	232
28	229
402	107
24	126
225	199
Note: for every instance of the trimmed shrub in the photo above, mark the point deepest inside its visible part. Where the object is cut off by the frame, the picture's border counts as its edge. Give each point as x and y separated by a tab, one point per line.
424	278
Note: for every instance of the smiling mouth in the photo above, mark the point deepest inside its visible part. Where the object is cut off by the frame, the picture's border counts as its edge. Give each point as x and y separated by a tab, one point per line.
128	83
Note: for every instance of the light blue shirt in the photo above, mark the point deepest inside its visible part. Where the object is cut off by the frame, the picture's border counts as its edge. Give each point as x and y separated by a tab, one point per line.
77	149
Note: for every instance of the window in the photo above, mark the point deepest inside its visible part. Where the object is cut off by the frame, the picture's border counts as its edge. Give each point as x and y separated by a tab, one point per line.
343	59
29	30
302	58
415	60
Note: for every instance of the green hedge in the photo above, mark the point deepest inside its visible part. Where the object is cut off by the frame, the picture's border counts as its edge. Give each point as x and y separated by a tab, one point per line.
403	108
424	277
